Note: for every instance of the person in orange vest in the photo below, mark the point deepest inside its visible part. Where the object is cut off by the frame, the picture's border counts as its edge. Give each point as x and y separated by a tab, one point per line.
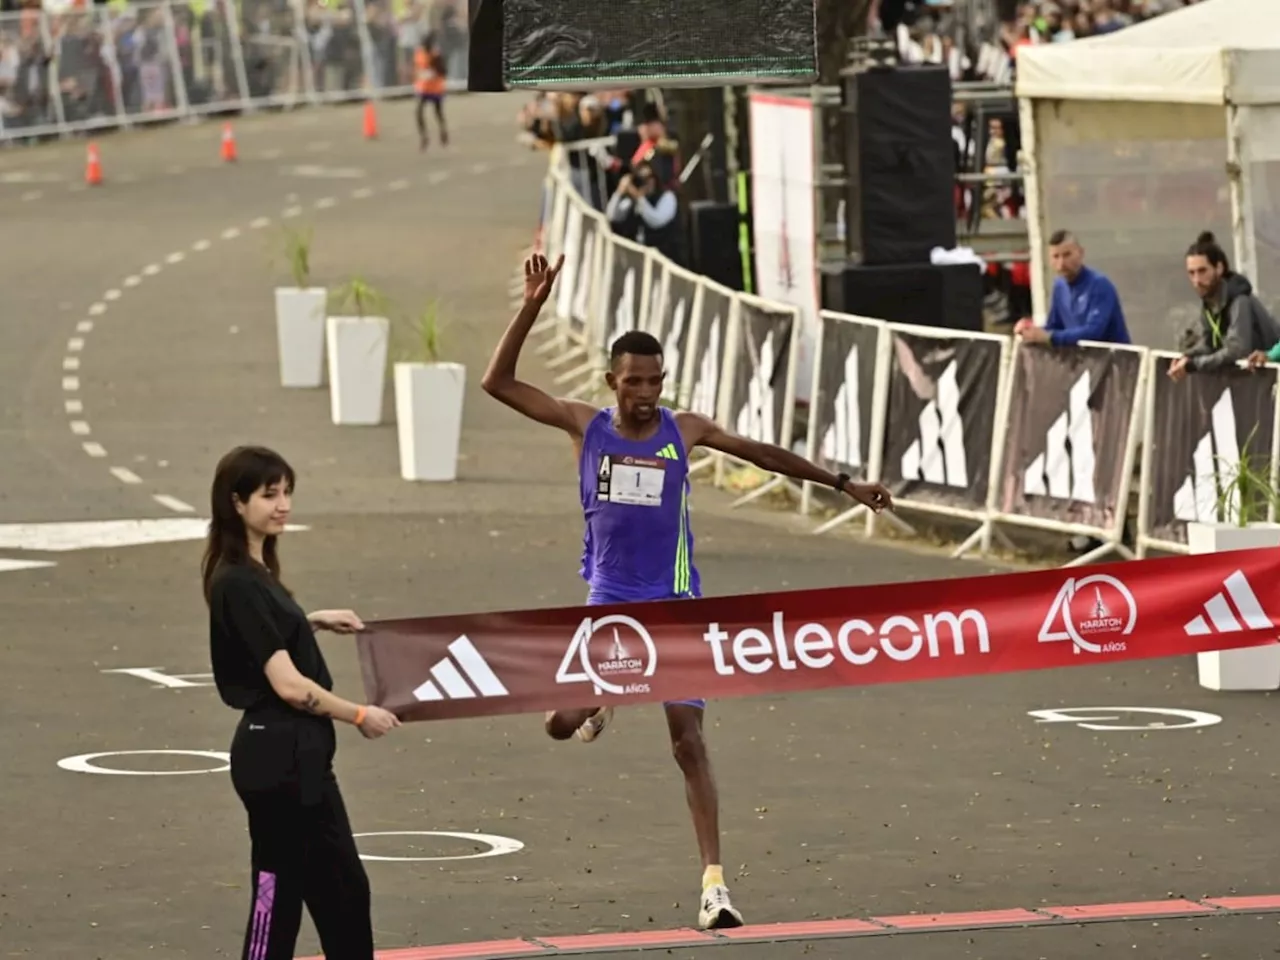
429	77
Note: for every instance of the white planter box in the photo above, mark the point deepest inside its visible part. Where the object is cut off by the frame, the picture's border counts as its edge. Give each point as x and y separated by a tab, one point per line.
429	419
1252	668
357	368
300	335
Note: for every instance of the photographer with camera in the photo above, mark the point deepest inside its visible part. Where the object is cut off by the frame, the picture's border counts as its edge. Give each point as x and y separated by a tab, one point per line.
644	210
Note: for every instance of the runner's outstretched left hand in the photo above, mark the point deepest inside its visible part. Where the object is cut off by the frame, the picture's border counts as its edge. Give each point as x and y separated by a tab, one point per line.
873	495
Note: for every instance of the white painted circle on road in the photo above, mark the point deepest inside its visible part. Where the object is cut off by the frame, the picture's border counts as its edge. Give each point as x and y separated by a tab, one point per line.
498	846
86	762
1098	718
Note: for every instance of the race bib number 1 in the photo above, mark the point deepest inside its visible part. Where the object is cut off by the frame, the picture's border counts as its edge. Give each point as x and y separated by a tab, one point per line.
634	481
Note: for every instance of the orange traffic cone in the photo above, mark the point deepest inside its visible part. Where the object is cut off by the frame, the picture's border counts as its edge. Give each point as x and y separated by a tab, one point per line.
370	121
228	144
93	166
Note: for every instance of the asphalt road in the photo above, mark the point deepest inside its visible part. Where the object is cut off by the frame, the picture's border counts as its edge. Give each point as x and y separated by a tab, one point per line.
937	797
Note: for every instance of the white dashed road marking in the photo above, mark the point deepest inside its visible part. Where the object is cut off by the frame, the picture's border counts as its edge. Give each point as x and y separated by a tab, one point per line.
74	407
173	503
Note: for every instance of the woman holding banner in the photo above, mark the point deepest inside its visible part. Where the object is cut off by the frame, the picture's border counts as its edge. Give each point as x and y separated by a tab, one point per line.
266	663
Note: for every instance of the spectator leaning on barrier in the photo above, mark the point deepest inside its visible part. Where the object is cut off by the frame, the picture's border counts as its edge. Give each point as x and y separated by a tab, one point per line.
644	210
1084	305
1233	324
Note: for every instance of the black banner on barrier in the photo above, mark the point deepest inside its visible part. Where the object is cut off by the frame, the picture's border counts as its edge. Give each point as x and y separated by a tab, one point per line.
652	313
758	404
941	419
626	282
574	222
1204	427
1069	422
585	281
841	409
675	318
708	353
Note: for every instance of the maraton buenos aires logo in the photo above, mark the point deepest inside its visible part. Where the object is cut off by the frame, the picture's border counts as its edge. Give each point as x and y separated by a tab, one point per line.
613	653
1094	613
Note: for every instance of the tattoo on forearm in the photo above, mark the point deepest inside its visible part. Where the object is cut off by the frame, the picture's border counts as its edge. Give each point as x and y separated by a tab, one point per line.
311	703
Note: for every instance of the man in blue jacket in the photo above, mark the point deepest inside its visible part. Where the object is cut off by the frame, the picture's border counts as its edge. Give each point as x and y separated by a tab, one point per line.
1084	306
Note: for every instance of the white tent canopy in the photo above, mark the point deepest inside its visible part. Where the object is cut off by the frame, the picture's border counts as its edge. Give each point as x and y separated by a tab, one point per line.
1138	140
1214	52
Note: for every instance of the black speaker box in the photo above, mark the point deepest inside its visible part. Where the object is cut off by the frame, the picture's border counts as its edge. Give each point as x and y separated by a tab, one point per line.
926	294
713	242
900	158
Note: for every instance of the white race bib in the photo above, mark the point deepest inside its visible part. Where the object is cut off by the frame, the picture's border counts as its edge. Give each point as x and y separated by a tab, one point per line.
635	481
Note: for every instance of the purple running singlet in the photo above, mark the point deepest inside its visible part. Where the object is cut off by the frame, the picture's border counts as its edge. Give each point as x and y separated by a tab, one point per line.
637	545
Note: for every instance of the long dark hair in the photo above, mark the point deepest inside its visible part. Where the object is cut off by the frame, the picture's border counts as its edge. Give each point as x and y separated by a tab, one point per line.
1206	246
239	474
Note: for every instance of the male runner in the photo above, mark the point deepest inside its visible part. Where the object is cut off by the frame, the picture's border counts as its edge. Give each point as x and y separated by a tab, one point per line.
638	545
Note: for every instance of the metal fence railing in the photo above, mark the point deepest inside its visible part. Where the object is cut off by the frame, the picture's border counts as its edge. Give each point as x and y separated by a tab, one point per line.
116	66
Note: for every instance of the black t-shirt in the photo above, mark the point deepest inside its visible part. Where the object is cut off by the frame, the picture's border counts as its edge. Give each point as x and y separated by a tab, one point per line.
251	618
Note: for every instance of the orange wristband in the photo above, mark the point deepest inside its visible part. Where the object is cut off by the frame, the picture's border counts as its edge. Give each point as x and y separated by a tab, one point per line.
360	715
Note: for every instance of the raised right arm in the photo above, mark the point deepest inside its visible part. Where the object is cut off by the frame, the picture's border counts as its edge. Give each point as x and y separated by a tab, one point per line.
500	380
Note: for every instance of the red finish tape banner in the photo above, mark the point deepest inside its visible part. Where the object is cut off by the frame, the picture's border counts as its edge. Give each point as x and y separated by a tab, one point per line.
507	663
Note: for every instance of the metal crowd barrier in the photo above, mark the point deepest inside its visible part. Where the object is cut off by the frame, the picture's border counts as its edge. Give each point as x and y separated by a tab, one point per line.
98	68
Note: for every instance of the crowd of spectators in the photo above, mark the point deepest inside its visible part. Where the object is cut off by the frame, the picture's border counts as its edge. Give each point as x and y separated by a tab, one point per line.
623	160
79	63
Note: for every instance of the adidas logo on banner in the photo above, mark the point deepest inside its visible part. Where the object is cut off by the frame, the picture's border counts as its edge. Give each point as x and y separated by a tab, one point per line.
842	442
671	356
706	387
1065	469
452	678
1221	617
755	419
624	312
938	456
1216	455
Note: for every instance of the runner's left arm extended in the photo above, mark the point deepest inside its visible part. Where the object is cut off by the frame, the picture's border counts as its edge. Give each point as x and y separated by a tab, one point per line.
699	430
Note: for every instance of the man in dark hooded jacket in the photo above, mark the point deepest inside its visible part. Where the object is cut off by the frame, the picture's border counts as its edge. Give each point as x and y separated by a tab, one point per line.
1233	323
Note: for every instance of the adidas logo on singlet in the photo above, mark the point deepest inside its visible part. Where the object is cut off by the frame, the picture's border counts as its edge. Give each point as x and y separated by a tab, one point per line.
669	452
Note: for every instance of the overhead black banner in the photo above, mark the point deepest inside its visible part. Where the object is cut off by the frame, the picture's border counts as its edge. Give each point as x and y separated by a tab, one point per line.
626	282
758	402
1204	427
840	411
570	44
708	352
941	419
675	322
1069	425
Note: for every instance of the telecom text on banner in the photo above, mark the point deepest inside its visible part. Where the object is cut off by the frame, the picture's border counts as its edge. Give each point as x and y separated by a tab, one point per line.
1070	424
943	397
507	663
841	407
757	407
1200	430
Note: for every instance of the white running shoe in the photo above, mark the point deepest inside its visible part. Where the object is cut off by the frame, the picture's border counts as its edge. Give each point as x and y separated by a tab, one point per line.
595	724
717	912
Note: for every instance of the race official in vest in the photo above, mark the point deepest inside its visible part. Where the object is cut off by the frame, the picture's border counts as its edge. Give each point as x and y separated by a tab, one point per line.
644	210
1084	305
429	74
